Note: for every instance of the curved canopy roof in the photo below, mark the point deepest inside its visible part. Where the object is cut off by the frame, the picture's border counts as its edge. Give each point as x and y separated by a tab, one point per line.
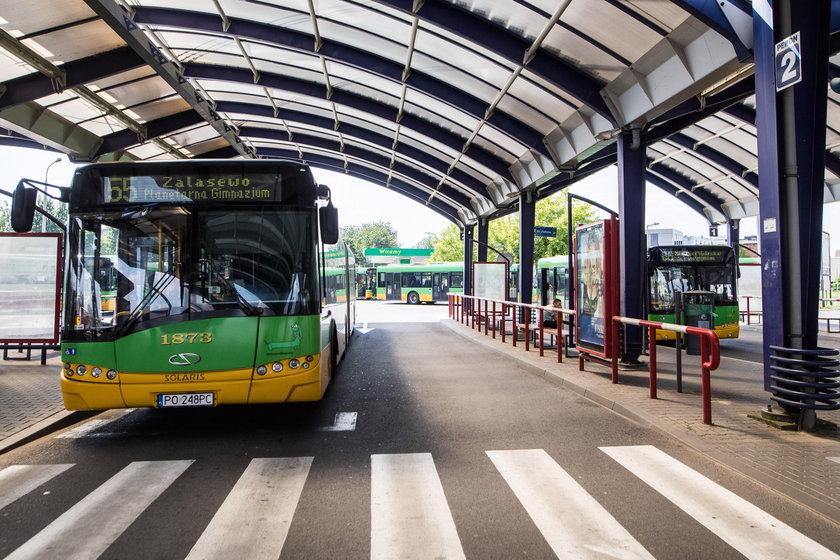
459	105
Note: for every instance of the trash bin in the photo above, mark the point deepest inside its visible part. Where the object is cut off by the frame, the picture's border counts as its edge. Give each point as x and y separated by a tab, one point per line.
697	311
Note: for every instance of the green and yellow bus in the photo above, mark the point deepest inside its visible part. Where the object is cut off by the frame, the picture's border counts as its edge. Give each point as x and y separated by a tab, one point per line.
366	282
231	285
416	283
680	268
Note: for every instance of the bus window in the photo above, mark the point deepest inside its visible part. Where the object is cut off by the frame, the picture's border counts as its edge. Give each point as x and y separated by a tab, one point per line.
457	279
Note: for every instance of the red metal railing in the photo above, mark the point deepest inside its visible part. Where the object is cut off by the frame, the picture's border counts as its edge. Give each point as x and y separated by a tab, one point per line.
709	355
476	312
749	313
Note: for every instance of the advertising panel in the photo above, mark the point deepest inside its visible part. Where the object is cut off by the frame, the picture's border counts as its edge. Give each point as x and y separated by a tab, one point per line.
490	280
591	259
29	287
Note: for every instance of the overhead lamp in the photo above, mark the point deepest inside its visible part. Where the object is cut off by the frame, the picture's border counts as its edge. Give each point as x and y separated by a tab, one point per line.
835	84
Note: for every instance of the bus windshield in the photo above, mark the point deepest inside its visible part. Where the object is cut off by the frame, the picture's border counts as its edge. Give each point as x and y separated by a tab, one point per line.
666	281
178	263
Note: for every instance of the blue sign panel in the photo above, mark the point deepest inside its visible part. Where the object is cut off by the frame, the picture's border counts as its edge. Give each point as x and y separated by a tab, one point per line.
545	231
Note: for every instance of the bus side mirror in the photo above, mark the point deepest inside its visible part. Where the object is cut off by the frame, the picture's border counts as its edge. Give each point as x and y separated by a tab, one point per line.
328	216
23	208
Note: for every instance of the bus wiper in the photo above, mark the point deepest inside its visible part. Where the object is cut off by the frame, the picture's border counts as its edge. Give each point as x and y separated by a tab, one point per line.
137	312
246	306
249	309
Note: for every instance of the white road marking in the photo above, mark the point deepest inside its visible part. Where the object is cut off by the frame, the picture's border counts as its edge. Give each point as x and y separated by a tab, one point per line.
344	422
835	459
365	329
410	516
254	519
571	520
19	480
747	528
89	527
84	430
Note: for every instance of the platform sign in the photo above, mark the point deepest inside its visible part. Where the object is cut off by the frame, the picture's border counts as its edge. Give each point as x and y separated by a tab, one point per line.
545	231
788	62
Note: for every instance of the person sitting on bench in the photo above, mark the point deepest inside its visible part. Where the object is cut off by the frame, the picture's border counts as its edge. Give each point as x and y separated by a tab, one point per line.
550	317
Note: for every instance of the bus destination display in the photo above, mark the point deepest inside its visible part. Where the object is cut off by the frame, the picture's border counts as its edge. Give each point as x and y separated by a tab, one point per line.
219	187
692	254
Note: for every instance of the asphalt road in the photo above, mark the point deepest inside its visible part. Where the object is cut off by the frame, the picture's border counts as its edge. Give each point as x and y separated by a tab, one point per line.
426	446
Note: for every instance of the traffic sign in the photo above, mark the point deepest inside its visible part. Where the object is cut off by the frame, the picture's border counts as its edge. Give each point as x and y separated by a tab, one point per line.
788	62
545	231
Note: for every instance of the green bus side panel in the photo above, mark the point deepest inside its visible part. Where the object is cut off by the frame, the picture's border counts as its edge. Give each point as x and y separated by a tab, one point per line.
726	314
219	344
95	353
281	338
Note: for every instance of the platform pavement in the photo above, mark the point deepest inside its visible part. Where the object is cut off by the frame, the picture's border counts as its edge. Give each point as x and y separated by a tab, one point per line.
803	466
797	464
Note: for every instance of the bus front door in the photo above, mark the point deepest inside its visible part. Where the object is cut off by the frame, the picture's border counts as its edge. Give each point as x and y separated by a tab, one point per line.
392	285
440	286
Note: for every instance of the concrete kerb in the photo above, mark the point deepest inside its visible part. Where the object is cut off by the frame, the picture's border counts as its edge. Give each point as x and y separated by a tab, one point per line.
705	448
45	427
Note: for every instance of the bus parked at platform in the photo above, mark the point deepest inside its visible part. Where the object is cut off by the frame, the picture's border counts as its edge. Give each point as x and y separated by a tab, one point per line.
680	268
231	285
419	283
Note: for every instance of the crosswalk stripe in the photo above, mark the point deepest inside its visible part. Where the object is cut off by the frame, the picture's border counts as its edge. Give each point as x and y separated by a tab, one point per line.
19	480
410	516
254	519
84	430
573	523
89	527
750	530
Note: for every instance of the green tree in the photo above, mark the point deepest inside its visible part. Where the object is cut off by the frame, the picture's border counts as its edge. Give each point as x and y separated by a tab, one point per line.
5	215
54	207
428	242
448	245
373	235
503	233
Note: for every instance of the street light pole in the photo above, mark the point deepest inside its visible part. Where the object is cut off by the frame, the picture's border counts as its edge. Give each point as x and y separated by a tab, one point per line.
46	182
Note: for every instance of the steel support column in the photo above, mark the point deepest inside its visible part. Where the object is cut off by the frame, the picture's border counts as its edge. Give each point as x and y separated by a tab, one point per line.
527	219
632	165
791	158
469	232
483	230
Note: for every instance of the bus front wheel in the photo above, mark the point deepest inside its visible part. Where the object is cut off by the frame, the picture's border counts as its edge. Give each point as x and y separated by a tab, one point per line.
413	298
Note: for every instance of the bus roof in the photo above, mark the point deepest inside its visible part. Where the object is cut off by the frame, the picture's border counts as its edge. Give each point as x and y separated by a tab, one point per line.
555	260
428	267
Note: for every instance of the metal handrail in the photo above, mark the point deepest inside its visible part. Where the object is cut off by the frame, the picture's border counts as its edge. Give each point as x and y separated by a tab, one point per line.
709	355
458	304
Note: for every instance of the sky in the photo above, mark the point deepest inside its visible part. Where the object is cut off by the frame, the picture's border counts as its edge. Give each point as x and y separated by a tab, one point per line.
360	202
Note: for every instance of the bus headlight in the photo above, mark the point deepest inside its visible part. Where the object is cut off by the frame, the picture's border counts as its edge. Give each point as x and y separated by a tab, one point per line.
262	370
309	358
277	367
111	374
305	365
294	363
81	370
96	372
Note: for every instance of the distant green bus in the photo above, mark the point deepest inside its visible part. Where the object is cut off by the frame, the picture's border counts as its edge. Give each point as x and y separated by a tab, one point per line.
550	280
366	282
680	268
419	282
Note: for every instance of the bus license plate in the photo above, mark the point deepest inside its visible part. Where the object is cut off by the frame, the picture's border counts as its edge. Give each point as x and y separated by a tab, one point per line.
185	399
